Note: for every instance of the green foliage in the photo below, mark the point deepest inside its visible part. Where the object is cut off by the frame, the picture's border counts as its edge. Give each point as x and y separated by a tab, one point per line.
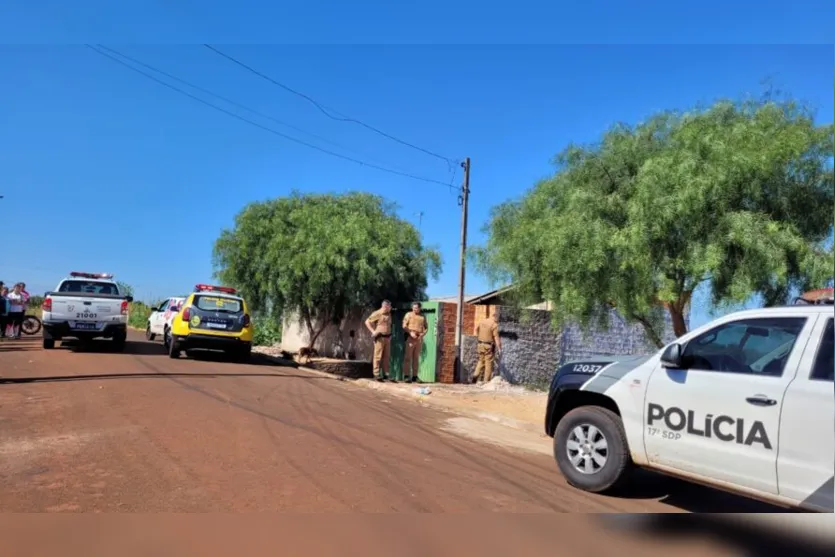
319	255
124	288
267	331
739	194
138	314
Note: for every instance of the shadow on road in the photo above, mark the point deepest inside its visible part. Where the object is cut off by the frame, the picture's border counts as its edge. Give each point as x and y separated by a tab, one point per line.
106	346
162	375
689	496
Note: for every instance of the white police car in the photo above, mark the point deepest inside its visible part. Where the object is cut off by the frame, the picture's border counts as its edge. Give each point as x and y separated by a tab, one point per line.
745	403
161	317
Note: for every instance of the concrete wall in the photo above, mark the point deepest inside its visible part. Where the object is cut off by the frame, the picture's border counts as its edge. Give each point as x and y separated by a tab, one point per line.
533	350
335	341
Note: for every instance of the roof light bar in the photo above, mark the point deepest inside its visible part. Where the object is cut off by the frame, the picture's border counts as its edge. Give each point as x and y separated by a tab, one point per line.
79	274
210	288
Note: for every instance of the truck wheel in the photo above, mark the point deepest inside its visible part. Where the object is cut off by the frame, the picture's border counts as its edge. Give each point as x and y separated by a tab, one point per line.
591	450
48	343
173	347
148	334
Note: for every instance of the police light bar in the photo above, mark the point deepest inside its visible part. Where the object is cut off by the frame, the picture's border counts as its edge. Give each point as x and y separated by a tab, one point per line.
78	274
210	288
821	296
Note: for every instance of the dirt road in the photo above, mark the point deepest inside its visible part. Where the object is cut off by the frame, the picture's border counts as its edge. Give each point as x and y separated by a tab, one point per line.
85	430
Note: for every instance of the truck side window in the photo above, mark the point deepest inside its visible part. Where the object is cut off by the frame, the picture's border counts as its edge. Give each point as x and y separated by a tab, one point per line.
824	361
755	346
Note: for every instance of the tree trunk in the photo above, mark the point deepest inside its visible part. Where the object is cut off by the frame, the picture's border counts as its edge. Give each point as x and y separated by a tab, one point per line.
676	310
313	333
650	331
679	325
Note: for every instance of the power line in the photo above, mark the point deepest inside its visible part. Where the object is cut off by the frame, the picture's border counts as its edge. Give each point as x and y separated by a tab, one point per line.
265	128
323	109
225	99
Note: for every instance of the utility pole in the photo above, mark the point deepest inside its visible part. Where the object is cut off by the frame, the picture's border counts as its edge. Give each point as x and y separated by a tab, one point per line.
463	200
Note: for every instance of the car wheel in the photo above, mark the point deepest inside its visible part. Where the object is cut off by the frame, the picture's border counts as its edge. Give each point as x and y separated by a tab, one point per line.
591	450
173	347
165	338
148	334
48	343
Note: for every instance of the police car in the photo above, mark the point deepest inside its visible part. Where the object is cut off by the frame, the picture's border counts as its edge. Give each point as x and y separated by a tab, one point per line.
745	403
211	318
160	318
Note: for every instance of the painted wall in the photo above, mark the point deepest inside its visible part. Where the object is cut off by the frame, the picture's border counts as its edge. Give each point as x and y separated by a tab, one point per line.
335	341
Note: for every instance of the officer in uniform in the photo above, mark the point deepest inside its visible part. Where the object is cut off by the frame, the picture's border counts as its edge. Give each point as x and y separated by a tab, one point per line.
379	325
487	333
414	328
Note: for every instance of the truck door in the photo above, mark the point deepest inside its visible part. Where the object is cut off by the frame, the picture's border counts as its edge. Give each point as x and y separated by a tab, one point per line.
719	415
807	449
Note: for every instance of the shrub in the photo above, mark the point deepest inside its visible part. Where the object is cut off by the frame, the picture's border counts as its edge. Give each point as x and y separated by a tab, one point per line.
267	331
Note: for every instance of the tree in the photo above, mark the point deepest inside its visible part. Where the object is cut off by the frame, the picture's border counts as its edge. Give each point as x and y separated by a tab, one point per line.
738	194
124	288
320	255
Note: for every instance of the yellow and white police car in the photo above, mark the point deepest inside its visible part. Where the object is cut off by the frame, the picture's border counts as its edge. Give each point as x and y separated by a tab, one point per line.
212	318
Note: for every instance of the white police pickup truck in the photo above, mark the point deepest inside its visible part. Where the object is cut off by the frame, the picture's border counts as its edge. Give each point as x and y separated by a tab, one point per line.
745	403
86	306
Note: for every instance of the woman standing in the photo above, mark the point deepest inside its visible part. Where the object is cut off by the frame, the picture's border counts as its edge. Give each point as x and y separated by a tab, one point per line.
17	305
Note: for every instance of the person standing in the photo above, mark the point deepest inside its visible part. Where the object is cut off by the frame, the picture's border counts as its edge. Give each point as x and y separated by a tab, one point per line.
489	344
414	328
379	325
4	309
17	305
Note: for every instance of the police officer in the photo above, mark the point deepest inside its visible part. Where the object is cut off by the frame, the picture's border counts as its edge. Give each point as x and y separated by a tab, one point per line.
414	328
379	325
487	334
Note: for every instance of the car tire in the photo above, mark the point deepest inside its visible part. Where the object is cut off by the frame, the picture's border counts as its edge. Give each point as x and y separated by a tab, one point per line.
148	334
48	343
579	452
173	347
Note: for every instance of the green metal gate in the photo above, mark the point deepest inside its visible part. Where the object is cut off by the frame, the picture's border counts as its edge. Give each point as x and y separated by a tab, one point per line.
428	354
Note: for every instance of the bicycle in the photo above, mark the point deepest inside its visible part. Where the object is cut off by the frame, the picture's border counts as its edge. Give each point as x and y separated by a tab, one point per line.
31	325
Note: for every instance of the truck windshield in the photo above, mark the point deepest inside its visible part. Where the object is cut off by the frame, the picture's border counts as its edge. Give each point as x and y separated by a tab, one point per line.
217	303
88	287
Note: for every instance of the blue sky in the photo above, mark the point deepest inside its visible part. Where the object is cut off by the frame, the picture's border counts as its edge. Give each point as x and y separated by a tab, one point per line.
103	169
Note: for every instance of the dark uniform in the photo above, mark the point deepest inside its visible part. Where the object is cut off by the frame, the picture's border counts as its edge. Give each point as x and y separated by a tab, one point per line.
487	333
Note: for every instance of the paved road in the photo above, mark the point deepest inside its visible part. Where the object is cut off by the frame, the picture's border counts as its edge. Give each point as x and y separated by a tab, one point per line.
139	432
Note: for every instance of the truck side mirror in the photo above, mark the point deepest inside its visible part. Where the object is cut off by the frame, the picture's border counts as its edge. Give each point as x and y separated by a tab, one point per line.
671	358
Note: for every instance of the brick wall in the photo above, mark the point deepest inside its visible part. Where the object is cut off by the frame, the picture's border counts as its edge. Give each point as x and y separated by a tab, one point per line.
446	340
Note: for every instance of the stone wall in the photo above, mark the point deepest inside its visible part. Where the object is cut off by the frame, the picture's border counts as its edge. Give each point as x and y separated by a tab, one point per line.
533	349
530	347
621	338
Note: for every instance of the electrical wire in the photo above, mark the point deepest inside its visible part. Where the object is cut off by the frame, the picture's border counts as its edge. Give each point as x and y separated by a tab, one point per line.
323	109
225	99
266	128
